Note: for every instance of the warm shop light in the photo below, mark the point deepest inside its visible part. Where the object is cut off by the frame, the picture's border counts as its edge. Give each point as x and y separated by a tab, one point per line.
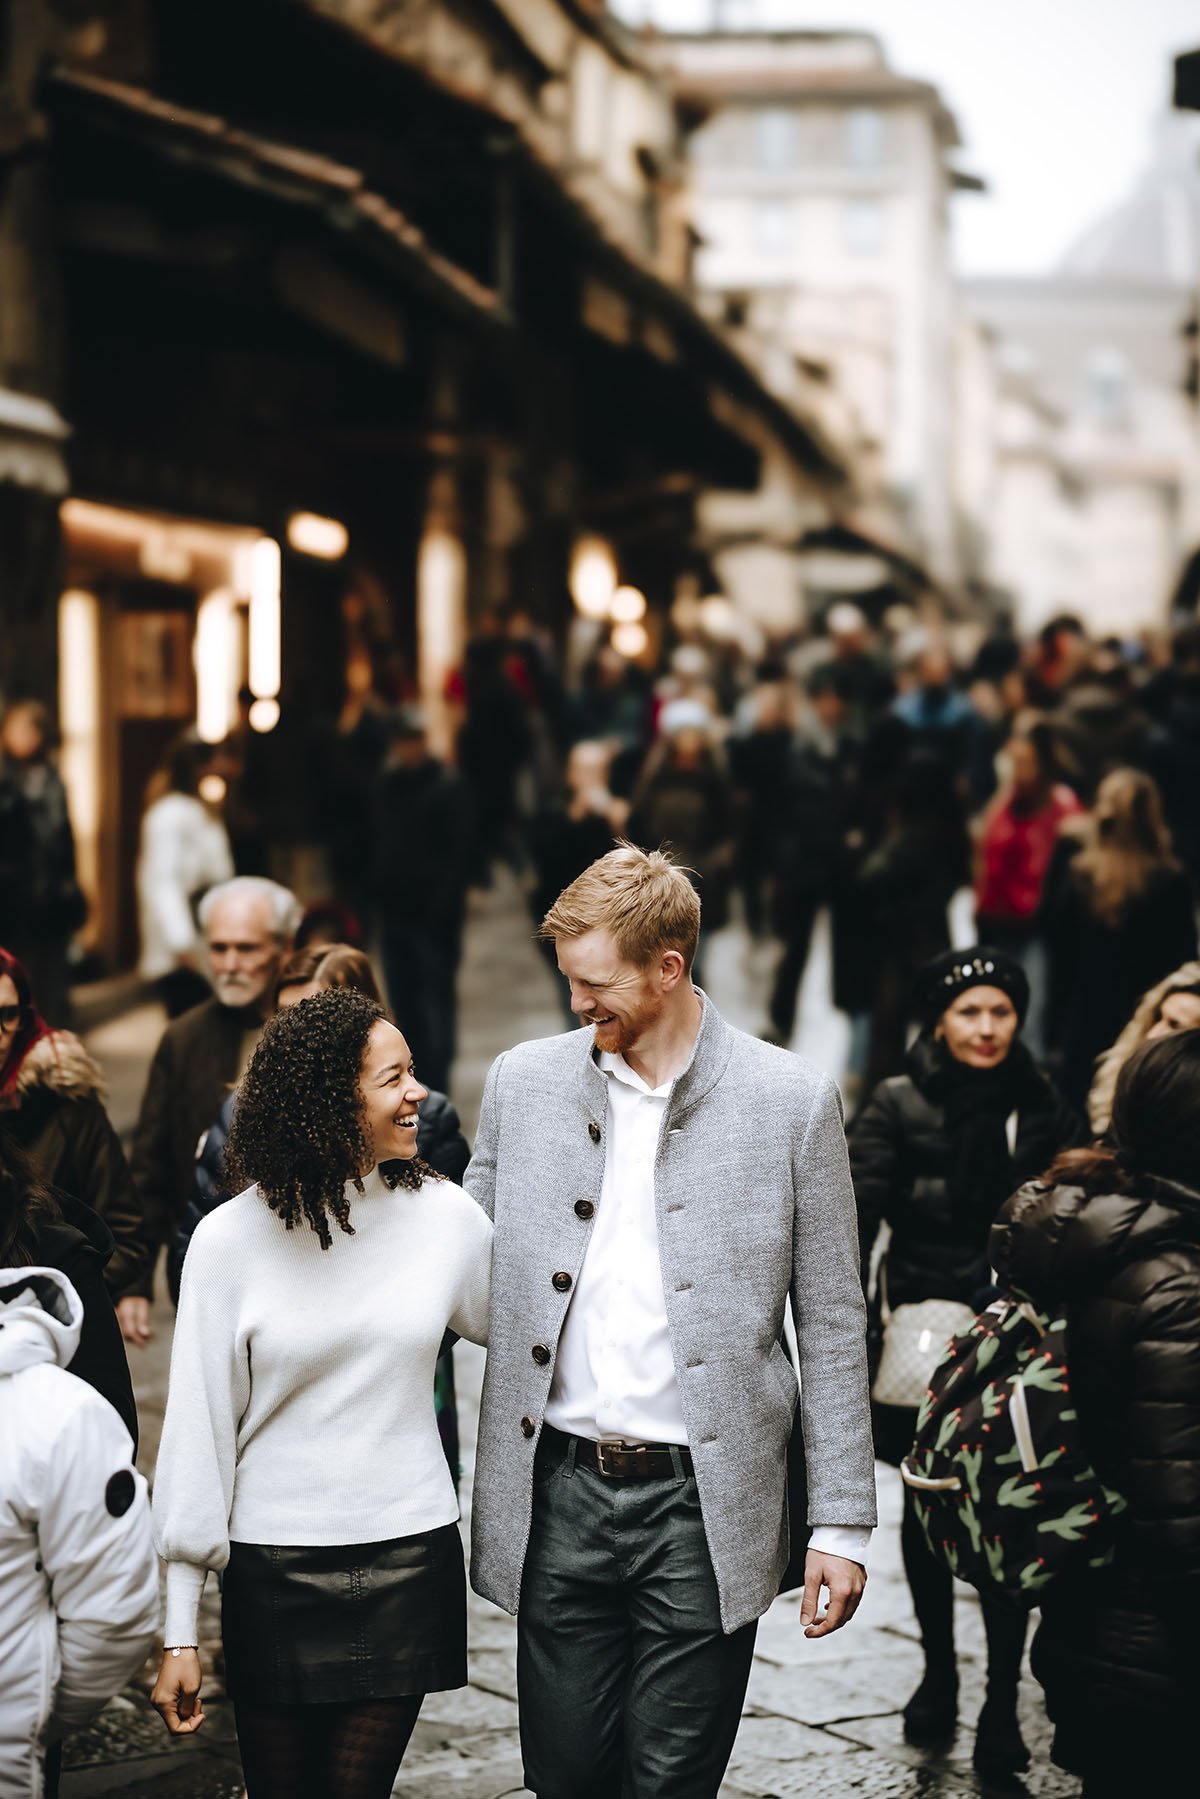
211	789
263	563
312	535
627	606
630	641
718	618
79	713
593	577
215	655
263	716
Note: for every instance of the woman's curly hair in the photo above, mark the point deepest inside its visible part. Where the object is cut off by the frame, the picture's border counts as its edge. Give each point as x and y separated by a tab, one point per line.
298	1131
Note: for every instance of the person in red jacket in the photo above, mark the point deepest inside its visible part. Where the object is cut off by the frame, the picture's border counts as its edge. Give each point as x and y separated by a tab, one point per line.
1020	829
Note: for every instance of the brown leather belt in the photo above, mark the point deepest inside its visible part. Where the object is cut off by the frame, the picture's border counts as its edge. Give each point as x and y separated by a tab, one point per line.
627	1461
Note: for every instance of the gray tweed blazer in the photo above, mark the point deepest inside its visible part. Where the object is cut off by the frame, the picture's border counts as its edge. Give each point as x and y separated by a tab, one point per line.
754	1203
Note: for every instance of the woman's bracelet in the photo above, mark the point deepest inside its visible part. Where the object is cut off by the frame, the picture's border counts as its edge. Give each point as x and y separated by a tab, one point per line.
178	1648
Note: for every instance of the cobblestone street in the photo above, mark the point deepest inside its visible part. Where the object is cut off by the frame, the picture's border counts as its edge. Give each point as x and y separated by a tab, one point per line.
821	1718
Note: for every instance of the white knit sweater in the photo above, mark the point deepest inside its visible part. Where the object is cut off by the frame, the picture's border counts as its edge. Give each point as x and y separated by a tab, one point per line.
300	1405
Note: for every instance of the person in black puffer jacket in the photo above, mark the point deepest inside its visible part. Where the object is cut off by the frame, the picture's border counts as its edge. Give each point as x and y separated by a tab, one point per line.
1114	1233
934	1154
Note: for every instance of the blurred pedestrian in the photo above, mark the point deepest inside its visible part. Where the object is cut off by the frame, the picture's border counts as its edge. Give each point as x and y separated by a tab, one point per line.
864	675
1112	1234
248	925
79	1587
50	906
941	717
1117	917
1016	840
759	754
440	1142
52	1104
312	1310
566	838
45	1228
907	881
1099	721
1173	749
684	798
811	816
184	851
495	742
1172	1005
934	1153
420	851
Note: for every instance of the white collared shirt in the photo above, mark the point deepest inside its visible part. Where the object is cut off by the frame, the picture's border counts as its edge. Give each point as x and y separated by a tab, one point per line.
614	1375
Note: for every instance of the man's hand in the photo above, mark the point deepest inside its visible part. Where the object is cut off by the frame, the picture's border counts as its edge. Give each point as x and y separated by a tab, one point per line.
133	1316
176	1695
845	1581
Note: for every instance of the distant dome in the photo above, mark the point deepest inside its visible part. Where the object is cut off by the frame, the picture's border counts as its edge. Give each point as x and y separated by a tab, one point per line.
1154	235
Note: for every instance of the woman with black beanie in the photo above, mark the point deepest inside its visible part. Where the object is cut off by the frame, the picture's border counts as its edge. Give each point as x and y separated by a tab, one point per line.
935	1153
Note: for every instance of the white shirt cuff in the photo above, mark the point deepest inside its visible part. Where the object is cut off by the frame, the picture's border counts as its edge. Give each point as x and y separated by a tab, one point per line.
185	1584
850	1540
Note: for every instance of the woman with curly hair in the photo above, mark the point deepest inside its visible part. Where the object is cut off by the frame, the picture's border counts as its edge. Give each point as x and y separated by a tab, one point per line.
300	1452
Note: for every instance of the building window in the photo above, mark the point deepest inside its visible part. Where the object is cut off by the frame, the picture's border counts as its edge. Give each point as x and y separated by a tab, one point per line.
774	139
864	138
774	227
862	224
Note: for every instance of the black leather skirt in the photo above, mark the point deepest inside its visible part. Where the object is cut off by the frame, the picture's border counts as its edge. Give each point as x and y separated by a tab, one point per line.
337	1625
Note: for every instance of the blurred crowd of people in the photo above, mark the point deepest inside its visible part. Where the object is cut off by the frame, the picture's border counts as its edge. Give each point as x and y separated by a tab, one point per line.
1038	798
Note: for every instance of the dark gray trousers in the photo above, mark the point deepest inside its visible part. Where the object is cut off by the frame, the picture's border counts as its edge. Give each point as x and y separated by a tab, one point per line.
629	1688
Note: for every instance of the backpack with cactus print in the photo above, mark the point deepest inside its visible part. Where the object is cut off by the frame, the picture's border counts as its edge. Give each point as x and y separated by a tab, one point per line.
998	1472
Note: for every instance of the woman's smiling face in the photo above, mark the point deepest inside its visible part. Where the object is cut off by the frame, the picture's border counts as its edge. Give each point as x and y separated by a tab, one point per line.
391	1095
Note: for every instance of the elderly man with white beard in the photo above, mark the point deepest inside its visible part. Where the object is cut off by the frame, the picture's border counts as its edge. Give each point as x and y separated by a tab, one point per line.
248	924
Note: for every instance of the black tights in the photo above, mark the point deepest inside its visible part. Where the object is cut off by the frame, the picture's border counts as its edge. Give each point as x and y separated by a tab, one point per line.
932	1587
325	1751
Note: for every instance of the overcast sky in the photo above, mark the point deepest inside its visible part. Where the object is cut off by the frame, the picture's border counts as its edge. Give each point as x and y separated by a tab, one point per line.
1055	99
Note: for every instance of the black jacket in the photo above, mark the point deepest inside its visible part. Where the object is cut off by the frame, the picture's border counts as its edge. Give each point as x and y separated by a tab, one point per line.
79	1243
440	1142
1098	971
898	1156
194	1067
61	1124
1119	1651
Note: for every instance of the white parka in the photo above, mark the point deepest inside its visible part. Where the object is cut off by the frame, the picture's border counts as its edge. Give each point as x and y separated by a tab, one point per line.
79	1601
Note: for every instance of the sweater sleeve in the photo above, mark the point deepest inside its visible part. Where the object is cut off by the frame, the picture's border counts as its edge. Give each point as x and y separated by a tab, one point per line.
470	1316
208	1392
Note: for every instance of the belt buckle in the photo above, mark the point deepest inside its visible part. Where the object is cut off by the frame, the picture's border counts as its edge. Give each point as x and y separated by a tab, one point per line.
616	1447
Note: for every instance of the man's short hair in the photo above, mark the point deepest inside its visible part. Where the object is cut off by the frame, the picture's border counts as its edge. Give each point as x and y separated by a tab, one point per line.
643	897
283	907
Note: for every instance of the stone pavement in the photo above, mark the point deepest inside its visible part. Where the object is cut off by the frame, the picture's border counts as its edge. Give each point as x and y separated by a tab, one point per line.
820	1718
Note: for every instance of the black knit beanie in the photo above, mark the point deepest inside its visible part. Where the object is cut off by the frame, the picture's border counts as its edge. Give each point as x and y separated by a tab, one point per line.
941	981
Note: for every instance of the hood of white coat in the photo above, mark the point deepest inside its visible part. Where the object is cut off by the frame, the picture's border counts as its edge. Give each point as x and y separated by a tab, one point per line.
41	1316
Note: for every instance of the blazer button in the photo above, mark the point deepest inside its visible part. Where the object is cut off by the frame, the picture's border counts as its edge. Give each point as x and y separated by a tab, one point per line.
540	1354
528	1427
561	1281
594	1131
584	1208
